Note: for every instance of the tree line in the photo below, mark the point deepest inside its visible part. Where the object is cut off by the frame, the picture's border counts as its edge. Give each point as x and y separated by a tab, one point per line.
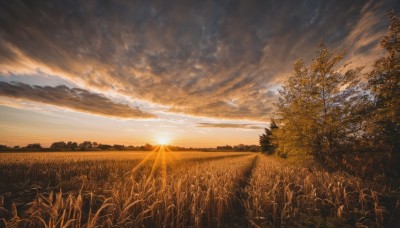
74	146
240	147
327	109
94	146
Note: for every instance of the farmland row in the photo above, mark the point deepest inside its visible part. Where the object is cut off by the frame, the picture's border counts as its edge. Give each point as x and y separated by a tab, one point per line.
284	194
194	193
72	156
222	190
41	173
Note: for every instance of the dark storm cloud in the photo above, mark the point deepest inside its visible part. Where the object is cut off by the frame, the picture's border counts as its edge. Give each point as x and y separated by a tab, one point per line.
229	125
207	58
73	98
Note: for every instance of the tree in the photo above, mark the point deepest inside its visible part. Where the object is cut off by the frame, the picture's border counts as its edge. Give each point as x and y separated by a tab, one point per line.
86	145
105	147
315	106
225	148
118	147
266	141
277	139
4	148
273	126
147	147
34	147
58	146
384	84
72	145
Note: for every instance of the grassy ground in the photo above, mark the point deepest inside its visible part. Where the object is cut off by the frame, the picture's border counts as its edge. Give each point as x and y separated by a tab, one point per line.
185	189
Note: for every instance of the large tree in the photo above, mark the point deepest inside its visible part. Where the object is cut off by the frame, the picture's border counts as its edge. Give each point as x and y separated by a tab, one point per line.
384	84
314	107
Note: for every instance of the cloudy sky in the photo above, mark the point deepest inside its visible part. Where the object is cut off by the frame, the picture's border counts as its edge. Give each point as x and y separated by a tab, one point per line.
201	73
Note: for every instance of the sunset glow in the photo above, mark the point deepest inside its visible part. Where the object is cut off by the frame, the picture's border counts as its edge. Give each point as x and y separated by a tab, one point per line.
163	140
121	73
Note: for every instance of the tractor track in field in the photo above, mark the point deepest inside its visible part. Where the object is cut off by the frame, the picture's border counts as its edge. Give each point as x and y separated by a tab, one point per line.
238	216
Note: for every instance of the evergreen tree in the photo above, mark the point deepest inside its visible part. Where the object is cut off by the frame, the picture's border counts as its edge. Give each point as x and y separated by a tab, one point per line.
266	142
273	126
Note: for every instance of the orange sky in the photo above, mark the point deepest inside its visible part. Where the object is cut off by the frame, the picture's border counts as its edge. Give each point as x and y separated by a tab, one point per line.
199	73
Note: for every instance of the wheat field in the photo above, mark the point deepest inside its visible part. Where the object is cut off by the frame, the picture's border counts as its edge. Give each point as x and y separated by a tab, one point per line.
184	189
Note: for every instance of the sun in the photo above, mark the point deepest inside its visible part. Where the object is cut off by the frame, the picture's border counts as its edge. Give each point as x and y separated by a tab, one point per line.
162	140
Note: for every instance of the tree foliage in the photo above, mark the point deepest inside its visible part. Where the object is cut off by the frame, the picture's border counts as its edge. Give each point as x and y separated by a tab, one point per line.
323	109
315	105
267	140
384	84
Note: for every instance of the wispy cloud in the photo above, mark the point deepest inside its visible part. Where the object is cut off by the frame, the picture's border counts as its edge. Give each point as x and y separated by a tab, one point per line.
229	125
217	59
72	98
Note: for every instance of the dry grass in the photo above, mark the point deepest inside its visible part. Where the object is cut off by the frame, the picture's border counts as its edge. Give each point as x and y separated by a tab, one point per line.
179	191
287	194
184	189
50	157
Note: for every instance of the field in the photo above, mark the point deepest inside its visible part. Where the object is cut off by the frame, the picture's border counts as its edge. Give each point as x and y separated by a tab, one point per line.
185	189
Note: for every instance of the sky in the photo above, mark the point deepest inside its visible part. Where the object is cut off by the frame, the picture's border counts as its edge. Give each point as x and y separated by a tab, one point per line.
198	73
